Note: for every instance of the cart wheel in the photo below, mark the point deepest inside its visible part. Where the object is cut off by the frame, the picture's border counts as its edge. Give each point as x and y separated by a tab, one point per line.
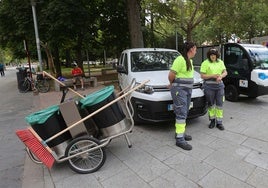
85	162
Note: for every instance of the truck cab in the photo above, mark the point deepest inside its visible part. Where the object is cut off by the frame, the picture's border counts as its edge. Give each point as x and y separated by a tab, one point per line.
247	67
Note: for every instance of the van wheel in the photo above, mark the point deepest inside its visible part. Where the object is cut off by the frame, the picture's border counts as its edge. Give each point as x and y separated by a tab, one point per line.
136	119
252	97
231	93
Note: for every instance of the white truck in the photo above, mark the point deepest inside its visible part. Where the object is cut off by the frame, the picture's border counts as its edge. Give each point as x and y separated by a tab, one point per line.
247	67
153	103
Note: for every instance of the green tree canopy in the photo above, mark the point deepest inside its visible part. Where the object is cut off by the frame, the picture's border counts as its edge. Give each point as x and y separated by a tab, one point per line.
71	27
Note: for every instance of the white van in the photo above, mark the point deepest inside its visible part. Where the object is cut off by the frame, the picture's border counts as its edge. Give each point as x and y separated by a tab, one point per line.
247	67
153	103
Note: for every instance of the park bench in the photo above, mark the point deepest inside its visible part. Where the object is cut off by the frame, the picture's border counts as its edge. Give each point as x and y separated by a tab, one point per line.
91	81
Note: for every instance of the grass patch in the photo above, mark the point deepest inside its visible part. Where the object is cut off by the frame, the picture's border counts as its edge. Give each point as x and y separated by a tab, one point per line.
95	71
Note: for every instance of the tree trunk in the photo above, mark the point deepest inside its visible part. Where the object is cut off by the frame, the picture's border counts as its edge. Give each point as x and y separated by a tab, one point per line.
68	58
152	31
51	66
79	58
57	61
134	23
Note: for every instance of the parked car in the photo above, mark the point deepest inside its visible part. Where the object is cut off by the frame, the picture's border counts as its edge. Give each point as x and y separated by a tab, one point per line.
153	103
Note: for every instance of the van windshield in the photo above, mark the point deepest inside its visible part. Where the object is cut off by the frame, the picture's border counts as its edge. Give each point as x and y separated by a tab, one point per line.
152	60
260	57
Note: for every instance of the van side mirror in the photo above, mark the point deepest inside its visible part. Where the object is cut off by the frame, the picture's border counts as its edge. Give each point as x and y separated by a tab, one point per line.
121	69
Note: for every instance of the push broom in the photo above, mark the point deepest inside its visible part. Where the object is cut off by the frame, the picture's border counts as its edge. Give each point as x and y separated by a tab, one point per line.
40	148
33	141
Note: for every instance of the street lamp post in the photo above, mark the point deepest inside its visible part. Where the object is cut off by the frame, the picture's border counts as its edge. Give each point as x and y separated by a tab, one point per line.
33	3
176	35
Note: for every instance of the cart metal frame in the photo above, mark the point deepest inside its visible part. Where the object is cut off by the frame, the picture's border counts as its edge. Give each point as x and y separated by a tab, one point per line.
86	153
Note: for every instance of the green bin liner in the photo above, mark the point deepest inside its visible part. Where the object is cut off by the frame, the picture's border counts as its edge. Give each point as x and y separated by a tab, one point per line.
96	97
48	122
42	116
108	116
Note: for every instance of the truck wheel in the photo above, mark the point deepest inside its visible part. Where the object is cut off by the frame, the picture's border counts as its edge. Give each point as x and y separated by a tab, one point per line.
231	93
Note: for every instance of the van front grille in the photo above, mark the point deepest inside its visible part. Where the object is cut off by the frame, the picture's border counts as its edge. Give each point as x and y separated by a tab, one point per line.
164	88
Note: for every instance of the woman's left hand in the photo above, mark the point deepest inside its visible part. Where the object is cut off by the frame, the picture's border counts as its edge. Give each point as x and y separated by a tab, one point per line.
219	78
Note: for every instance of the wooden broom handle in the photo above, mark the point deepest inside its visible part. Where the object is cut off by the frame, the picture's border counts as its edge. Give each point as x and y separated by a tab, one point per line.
97	111
49	75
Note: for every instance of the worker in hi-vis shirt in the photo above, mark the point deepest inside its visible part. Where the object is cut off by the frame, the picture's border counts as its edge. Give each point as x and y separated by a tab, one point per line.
181	78
213	71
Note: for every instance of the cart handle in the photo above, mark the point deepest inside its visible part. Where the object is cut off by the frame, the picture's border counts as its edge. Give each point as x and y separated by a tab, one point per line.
49	75
131	85
97	111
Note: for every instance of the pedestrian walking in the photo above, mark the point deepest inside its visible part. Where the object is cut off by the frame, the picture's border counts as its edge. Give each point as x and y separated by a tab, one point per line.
181	78
2	69
213	71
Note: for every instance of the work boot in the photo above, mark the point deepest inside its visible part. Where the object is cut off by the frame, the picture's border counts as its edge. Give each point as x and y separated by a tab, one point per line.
180	142
212	124
220	126
186	137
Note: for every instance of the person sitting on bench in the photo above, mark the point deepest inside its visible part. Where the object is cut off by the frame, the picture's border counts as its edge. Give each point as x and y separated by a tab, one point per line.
77	75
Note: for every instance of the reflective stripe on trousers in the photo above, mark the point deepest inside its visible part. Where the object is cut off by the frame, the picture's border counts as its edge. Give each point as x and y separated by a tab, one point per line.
180	127
215	112
182	85
184	80
215	99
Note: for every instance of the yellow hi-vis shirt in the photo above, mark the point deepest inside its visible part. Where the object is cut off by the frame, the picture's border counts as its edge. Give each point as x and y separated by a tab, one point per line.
210	68
179	66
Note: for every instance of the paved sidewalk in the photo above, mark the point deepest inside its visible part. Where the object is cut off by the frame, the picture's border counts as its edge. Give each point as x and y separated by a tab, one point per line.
236	157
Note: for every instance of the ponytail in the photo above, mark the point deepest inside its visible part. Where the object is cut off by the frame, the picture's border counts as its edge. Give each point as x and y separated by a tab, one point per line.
186	47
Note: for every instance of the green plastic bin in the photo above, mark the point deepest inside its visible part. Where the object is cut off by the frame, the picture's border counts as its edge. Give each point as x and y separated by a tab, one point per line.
48	122
108	116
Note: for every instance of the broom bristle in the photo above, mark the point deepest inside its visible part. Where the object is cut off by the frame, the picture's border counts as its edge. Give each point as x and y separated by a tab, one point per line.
36	147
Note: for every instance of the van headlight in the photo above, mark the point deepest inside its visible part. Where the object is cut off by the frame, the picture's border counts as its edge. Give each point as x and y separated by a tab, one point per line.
146	89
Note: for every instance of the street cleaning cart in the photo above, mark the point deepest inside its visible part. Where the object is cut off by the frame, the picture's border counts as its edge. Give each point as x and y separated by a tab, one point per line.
78	131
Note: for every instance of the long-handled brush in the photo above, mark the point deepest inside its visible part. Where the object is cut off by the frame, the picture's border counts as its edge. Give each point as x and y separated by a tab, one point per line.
32	140
40	148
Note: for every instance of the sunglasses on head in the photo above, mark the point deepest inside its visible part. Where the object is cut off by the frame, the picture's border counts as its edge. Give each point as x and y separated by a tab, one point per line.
213	50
